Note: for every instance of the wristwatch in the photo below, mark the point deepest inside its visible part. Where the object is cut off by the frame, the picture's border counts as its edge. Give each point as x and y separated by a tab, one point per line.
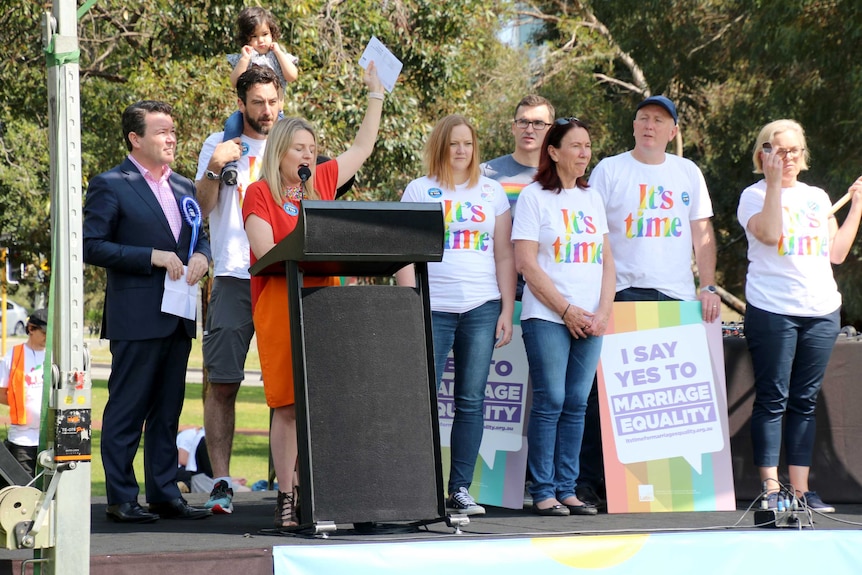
710	289
210	175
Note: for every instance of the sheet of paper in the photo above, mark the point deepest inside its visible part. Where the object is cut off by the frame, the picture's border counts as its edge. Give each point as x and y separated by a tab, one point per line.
179	297
388	66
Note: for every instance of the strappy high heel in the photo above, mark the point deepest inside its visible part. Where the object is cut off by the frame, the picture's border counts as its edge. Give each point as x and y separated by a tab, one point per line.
286	510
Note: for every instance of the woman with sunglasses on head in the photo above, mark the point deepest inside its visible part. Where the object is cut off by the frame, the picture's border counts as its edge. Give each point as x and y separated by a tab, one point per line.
562	250
793	314
472	290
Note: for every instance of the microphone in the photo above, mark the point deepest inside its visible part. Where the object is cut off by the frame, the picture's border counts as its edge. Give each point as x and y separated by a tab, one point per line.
304	173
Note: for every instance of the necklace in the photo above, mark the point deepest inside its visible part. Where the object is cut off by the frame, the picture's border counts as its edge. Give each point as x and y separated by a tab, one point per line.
293	193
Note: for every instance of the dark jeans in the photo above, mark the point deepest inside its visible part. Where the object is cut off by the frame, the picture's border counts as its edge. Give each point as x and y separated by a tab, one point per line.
789	355
592	471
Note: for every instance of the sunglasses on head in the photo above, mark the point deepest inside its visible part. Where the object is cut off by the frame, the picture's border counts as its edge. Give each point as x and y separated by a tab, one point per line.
565	121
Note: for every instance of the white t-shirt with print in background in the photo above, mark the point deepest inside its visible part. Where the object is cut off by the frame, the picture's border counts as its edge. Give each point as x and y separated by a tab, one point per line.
27	435
795	276
467	276
650	209
570	228
227	236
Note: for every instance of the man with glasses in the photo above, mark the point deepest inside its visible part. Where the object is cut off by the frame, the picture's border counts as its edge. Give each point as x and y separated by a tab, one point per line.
533	115
658	210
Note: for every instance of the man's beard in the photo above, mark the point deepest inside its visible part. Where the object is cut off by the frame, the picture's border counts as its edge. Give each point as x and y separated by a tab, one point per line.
257	127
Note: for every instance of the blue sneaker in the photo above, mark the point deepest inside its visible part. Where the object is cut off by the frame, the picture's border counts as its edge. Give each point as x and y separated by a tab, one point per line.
463	503
221	499
813	501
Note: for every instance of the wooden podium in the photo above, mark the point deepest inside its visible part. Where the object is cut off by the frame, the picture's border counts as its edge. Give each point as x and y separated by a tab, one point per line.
366	400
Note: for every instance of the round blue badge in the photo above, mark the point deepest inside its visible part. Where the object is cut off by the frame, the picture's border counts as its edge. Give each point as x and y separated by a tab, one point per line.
290	209
244	149
685	198
435	192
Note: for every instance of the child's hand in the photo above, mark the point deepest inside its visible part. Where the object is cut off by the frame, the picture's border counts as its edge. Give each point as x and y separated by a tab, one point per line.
275	48
247	51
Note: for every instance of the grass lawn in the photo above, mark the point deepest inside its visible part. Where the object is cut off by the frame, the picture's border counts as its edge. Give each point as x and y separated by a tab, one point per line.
100	352
250	457
250	450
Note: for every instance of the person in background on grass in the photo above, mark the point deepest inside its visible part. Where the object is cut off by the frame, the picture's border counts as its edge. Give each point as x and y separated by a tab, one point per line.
794	307
472	291
21	390
258	34
270	212
195	472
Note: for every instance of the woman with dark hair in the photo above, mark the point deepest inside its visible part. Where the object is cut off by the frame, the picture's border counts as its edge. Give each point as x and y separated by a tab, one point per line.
562	250
472	290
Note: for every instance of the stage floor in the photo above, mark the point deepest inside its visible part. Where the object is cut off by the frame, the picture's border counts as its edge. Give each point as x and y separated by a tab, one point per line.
234	543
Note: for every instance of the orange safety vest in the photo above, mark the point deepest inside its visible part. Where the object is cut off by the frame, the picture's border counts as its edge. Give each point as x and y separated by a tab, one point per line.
16	394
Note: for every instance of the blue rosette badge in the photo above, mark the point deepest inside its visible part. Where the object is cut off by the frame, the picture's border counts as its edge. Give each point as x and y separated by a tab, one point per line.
192	214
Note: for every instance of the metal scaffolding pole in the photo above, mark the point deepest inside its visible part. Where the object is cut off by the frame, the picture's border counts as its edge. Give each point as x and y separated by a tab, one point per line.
69	446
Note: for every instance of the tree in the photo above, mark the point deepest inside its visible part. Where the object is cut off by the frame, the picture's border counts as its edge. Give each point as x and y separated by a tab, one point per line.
173	51
731	66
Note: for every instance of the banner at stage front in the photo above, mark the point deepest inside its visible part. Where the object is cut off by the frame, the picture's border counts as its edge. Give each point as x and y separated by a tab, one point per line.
502	463
663	406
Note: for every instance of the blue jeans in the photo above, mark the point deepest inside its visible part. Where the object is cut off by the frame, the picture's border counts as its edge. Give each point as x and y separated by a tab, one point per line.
471	337
562	369
789	355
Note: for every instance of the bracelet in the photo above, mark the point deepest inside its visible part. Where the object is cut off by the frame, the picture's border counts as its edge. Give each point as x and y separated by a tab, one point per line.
563	316
375	96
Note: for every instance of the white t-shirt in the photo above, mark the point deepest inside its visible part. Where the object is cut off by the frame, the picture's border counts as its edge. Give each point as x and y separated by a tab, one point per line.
227	236
467	276
794	277
188	440
650	209
570	228
27	435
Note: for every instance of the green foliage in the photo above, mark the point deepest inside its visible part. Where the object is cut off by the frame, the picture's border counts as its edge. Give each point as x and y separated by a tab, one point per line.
731	65
175	52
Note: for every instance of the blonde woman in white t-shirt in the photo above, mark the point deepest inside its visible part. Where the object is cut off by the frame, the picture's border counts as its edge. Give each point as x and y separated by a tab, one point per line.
793	312
472	290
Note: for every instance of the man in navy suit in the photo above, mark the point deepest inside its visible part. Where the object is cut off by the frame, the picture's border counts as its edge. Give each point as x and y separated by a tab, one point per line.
134	228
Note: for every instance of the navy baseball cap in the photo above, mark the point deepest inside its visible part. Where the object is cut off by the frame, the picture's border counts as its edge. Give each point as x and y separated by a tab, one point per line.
39	318
662	101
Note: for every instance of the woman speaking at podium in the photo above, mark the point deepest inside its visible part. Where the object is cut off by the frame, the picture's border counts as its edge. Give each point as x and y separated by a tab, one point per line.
793	313
270	210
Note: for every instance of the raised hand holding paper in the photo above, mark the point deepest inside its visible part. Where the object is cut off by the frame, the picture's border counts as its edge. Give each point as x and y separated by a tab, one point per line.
388	66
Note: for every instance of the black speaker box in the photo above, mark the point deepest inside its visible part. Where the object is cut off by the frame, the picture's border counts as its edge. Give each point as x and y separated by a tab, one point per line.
368	406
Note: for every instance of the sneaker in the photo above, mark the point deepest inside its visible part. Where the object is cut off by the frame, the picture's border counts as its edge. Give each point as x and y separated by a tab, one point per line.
813	501
772	501
463	503
285	511
588	496
221	499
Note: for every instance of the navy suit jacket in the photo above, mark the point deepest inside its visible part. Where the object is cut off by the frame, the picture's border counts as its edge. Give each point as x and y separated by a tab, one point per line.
123	223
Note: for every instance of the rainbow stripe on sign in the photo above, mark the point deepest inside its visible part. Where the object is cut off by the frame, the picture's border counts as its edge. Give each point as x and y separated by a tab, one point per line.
675	483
